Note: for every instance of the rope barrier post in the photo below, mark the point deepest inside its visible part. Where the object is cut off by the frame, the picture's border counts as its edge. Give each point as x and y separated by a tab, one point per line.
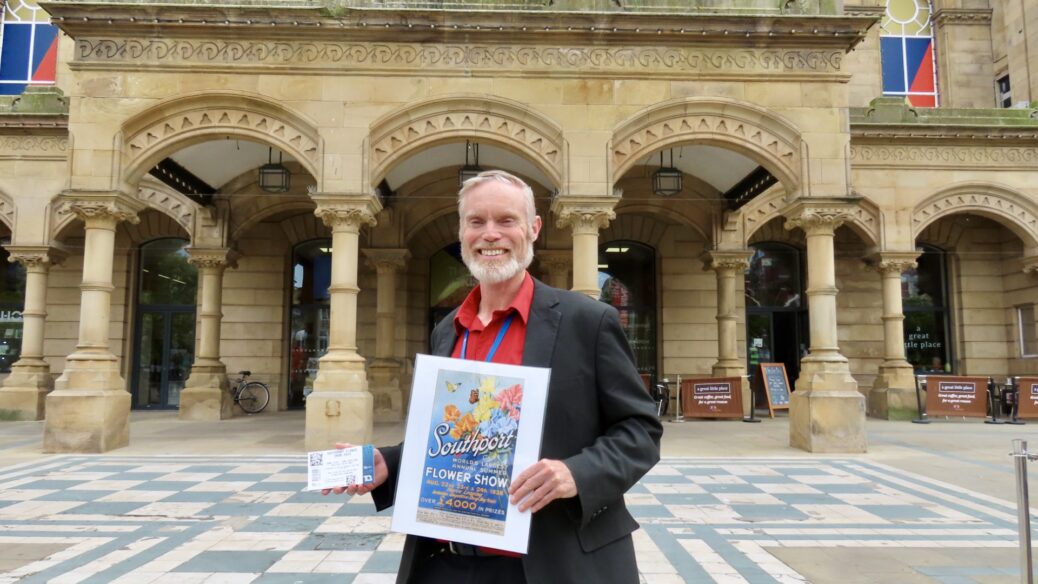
1014	384
752	418
678	416
921	419
1023	510
992	402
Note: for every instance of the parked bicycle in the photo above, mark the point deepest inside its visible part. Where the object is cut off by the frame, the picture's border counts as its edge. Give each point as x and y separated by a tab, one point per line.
252	396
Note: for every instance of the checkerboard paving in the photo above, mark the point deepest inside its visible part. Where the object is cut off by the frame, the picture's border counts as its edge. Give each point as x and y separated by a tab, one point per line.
190	519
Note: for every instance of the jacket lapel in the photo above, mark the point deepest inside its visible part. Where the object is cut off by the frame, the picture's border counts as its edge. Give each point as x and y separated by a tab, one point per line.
443	343
543	327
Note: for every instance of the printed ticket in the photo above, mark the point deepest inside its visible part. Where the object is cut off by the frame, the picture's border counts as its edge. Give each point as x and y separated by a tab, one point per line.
341	467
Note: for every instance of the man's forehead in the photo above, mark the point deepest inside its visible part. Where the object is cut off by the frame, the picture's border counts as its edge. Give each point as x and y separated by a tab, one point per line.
496	195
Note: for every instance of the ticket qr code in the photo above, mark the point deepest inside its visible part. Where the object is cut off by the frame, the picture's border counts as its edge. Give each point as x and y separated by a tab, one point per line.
316	458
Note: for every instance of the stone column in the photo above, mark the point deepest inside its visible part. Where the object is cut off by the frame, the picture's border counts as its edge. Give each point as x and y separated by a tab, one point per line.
826	412
556	264
205	395
586	216
26	388
89	409
340	407
729	266
384	371
893	393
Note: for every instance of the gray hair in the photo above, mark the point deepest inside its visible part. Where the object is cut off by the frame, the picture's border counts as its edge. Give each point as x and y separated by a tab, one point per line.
502	177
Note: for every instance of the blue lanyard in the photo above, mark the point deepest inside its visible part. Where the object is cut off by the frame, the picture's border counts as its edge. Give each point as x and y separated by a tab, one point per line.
497	341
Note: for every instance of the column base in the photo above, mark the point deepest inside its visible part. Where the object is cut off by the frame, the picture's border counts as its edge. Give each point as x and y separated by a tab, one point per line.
385	391
25	391
893	395
827	412
205	396
340	409
89	409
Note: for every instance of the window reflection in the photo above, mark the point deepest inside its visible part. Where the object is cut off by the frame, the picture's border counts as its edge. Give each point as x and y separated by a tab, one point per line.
449	282
12	295
773	278
310	313
627	281
924	293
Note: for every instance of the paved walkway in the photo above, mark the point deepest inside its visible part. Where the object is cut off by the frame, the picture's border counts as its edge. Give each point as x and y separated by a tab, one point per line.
221	502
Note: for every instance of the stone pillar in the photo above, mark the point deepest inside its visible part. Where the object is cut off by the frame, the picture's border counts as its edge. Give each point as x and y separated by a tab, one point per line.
729	266
556	265
26	388
586	216
384	371
893	395
826	412
340	407
89	409
205	395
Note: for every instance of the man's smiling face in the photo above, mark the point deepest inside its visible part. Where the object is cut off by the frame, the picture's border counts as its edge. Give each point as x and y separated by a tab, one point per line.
496	234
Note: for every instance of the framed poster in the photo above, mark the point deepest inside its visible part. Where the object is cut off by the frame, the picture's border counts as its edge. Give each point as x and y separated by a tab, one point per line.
472	428
1028	396
712	397
956	396
776	386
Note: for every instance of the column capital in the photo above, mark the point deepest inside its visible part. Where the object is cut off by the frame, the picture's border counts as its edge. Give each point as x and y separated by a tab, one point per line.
386	259
347	210
36	256
584	214
213	257
111	207
734	260
555	258
893	262
1031	265
818	217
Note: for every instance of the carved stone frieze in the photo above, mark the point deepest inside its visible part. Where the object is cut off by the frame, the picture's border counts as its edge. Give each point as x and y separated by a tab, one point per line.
452	58
50	145
946	16
234	120
944	156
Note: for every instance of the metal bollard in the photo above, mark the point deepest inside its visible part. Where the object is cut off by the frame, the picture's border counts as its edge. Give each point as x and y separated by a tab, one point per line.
1023	508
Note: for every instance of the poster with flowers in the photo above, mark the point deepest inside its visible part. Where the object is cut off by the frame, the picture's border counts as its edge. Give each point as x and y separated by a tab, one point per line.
472	428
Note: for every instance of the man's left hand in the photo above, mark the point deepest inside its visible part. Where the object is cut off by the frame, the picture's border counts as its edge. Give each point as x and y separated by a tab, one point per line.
541	483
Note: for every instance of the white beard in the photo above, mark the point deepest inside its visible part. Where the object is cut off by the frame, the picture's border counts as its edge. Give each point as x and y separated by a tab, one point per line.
498	271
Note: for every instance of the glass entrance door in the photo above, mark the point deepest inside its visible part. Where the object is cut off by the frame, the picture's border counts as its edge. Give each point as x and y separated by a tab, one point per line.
164	335
165	352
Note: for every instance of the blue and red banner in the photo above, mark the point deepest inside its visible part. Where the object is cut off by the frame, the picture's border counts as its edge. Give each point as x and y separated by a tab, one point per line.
28	55
908	69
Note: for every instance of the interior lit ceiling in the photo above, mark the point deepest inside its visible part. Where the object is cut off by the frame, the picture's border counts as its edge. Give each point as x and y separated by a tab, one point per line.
219	161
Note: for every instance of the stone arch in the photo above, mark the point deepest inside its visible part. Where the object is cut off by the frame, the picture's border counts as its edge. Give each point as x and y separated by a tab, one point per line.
436	231
303	228
865	219
748	129
153	193
647	223
1002	204
503	122
154	133
260	208
154	224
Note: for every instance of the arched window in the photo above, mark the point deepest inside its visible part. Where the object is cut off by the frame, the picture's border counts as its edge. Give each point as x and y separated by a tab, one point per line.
12	297
449	282
165	323
627	280
308	333
924	292
775	308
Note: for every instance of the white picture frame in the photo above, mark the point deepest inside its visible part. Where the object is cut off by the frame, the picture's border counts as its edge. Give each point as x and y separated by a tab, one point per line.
455	470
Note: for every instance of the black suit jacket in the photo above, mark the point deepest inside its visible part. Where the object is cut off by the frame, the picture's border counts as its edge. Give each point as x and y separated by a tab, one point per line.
600	421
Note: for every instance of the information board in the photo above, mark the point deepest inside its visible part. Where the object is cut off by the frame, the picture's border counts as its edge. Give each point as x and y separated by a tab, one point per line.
776	386
712	397
956	396
1028	387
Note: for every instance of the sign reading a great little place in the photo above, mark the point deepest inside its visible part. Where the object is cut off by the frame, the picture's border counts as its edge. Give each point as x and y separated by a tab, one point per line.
956	396
712	397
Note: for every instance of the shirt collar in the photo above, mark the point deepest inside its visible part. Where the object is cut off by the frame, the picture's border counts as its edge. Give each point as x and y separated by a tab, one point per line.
467	316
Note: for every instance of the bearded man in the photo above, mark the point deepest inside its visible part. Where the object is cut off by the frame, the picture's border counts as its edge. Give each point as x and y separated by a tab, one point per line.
601	433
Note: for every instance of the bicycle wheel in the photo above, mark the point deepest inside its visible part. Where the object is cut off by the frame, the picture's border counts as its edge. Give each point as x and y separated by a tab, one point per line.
253	397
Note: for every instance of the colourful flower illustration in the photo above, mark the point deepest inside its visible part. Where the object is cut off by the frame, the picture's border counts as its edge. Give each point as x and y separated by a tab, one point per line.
464	426
511	399
451	413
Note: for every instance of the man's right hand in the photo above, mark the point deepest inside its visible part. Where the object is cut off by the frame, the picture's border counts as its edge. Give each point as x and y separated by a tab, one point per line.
381	474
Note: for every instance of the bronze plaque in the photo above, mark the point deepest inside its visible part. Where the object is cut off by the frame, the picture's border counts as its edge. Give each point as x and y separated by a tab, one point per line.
712	397
1028	387
956	396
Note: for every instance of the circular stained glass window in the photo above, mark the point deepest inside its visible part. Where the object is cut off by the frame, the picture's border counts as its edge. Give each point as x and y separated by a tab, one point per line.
907	18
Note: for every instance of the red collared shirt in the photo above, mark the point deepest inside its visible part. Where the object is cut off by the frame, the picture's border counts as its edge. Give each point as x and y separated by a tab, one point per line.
481	337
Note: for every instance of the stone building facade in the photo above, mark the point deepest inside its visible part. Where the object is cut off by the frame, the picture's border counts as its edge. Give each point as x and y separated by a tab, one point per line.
857	238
